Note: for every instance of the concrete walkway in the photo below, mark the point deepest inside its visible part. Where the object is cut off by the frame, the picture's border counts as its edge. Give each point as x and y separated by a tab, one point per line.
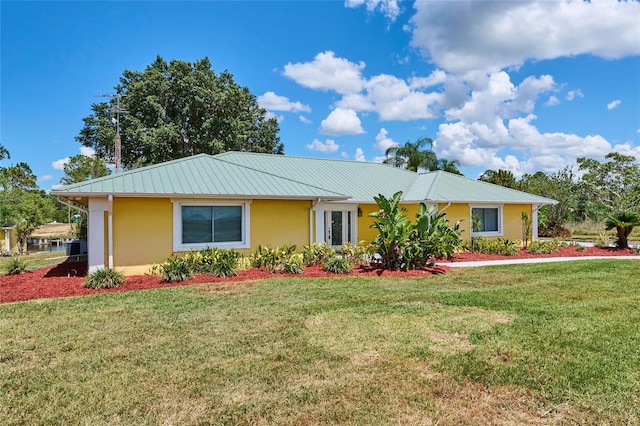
531	260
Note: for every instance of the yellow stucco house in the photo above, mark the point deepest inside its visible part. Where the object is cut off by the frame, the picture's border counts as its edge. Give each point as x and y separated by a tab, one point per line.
240	200
8	240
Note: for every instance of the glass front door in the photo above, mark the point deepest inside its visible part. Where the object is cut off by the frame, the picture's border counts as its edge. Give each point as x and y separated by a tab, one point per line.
338	227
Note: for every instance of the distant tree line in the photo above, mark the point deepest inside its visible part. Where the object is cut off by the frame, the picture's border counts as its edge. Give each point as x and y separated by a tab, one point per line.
600	191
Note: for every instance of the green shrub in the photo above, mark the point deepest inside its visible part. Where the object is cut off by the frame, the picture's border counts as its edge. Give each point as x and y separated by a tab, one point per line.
217	262
316	254
356	254
15	266
175	270
274	260
293	264
404	245
546	247
338	265
501	246
104	278
603	241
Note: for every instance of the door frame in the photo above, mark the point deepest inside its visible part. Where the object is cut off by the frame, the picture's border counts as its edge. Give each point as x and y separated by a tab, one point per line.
323	212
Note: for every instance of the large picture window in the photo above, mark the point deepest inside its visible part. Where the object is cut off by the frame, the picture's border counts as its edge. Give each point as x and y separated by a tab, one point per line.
488	220
199	226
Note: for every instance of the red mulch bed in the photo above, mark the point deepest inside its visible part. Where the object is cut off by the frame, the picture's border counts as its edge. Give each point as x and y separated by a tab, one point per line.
67	279
570	251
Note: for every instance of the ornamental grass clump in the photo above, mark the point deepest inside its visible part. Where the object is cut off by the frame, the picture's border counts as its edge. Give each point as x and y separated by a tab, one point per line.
316	254
278	260
15	266
104	278
175	270
338	264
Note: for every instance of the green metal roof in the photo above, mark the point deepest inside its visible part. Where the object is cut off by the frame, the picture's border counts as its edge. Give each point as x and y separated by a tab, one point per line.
251	175
440	186
197	176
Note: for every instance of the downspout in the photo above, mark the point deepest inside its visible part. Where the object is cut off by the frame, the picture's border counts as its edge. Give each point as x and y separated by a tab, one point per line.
313	206
110	230
445	207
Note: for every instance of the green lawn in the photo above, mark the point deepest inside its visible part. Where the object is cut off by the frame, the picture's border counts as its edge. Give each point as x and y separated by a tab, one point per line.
527	344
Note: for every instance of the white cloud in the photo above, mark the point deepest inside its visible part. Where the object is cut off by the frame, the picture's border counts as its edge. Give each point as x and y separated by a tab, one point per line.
574	94
45	178
327	147
389	8
273	102
468	35
393	99
614	104
496	123
59	164
359	155
269	115
327	72
304	119
383	142
340	122
87	151
552	101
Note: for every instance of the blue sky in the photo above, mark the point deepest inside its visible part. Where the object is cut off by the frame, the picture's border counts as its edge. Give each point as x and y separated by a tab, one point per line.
523	86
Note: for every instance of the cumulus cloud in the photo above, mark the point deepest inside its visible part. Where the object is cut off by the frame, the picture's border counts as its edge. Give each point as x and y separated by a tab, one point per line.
389	8
328	147
340	122
327	72
87	151
496	123
383	142
304	119
273	102
614	104
59	164
552	101
468	35
360	155
571	95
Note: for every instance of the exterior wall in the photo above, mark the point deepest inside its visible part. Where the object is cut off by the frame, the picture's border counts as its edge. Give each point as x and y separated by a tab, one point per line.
458	213
142	231
512	221
278	222
13	242
511	224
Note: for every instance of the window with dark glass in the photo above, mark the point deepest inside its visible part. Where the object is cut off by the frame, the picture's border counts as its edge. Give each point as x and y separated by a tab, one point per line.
211	224
488	219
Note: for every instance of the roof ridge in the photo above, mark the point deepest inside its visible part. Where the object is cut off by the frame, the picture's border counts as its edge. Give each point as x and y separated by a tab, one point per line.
279	176
337	160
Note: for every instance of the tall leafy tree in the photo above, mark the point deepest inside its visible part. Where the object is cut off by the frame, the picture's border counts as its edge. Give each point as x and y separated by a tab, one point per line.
177	109
614	183
81	167
22	204
500	177
418	155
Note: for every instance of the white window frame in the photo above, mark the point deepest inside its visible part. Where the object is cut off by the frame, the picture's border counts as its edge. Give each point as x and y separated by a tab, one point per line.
178	245
497	233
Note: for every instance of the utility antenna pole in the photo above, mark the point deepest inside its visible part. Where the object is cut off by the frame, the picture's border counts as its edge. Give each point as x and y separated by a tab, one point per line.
116	110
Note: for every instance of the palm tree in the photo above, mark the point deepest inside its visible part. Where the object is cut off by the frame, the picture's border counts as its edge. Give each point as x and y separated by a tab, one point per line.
624	223
450	166
413	155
